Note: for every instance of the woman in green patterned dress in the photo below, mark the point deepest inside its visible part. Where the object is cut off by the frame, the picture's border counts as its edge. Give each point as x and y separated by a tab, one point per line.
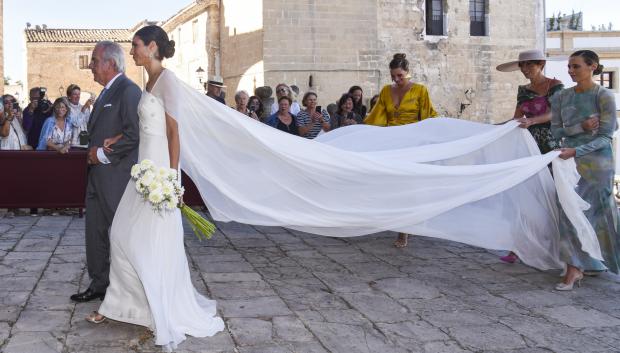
584	116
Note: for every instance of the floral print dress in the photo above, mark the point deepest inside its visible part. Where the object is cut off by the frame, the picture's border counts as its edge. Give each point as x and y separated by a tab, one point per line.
532	104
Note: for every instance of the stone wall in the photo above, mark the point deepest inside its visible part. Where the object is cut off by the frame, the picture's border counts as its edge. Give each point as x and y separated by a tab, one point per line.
190	37
56	65
351	42
241	45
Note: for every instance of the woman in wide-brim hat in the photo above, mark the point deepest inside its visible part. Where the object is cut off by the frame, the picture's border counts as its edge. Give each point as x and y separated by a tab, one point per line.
533	110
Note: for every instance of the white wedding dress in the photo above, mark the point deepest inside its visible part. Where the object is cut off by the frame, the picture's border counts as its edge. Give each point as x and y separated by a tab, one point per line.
150	282
474	183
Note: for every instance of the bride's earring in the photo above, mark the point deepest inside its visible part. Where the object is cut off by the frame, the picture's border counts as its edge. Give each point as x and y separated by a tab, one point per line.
151	56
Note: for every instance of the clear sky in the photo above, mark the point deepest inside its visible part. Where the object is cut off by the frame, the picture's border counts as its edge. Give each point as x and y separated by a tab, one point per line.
74	14
126	13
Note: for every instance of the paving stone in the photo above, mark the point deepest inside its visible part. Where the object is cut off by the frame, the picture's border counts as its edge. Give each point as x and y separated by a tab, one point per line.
343	282
37	244
291	329
412	333
444	347
30	342
241	290
342	338
220	343
297	286
5	330
557	338
225	267
580	317
456	318
232	277
256	307
485	337
314	300
344	316
251	332
537	298
39	320
378	307
406	288
14	283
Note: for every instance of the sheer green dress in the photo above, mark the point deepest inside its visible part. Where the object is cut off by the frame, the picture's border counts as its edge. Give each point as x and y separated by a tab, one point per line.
595	164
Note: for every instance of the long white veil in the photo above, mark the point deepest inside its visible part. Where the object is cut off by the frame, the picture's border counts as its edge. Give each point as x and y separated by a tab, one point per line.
474	183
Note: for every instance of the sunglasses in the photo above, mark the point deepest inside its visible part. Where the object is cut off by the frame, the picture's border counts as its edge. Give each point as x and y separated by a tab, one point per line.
282	90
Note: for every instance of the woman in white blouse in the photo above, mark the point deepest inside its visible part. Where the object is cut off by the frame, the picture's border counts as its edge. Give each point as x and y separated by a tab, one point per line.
282	89
12	136
78	114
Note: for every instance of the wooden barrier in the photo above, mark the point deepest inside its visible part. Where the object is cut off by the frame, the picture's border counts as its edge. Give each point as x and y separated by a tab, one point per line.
46	179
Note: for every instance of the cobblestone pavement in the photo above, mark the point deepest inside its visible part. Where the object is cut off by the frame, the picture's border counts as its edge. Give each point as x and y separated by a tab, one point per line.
284	291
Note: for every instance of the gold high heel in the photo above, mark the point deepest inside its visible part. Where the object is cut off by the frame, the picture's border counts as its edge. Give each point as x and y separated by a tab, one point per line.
569	286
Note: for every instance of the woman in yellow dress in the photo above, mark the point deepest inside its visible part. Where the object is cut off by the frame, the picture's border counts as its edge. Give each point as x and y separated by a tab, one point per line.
403	102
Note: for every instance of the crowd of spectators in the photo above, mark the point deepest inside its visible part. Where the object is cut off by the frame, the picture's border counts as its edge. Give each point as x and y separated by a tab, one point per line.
42	125
307	119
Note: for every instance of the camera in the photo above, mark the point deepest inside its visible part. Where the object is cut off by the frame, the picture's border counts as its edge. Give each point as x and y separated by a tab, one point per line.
250	111
44	104
15	105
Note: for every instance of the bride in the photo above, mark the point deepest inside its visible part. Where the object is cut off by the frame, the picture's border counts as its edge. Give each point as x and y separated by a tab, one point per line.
150	282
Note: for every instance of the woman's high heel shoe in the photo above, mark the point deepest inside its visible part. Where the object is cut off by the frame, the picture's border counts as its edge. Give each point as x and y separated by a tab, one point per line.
569	286
510	258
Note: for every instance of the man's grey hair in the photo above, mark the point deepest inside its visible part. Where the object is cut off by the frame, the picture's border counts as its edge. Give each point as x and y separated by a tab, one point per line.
113	51
239	93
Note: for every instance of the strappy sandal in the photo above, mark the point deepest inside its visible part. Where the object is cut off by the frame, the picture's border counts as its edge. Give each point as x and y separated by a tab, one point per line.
402	241
92	318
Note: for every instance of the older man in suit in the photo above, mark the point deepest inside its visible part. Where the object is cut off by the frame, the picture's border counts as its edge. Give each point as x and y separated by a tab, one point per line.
115	114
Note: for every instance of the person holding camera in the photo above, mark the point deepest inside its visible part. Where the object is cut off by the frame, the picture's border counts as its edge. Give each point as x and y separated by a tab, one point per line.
313	119
57	131
241	100
344	114
35	114
12	136
79	115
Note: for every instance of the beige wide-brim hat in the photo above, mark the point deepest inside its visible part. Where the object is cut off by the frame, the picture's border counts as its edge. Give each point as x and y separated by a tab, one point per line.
523	56
216	81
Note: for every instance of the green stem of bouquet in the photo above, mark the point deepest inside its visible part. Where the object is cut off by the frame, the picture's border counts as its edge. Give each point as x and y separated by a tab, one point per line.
201	227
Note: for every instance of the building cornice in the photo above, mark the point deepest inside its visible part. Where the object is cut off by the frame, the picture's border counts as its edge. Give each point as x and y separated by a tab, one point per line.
188	13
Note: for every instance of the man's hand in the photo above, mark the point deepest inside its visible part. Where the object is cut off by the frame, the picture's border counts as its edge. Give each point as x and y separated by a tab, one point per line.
92	156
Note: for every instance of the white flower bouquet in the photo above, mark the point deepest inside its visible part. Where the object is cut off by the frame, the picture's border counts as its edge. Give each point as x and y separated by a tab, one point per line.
161	187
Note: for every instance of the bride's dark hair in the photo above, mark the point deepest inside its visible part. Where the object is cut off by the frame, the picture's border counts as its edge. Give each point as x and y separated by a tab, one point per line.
165	47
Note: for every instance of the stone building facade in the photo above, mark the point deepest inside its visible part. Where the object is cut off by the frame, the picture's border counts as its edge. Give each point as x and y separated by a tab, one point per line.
189	28
327	46
561	44
57	58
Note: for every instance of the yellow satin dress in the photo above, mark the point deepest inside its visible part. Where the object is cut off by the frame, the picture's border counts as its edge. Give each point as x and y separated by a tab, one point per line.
415	106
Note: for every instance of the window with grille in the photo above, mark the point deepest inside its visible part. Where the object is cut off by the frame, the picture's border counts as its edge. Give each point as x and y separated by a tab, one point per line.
606	79
434	17
194	31
83	62
477	14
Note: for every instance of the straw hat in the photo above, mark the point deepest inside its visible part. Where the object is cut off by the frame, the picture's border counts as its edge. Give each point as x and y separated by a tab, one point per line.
523	56
216	81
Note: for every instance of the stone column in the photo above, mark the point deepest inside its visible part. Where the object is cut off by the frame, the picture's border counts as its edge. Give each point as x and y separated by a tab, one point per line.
213	38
